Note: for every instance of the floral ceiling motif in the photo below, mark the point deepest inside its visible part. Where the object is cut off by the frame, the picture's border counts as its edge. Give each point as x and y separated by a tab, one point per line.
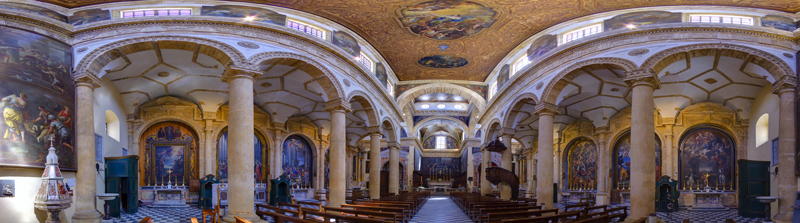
484	43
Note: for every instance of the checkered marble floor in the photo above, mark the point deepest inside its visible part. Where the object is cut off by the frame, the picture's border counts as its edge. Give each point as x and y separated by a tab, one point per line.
440	209
696	217
161	215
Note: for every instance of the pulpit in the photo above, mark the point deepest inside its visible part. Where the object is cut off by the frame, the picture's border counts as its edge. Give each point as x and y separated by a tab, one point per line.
280	190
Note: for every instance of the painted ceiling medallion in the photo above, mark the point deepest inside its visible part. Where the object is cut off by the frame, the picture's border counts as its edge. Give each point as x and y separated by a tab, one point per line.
248	45
266	84
446	19
163	74
637	52
442	61
710	80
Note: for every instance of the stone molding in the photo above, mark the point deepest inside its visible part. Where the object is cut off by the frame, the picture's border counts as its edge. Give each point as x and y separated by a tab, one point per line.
546	108
373	130
552	90
86	79
332	88
785	84
239	72
338	105
781	68
642	76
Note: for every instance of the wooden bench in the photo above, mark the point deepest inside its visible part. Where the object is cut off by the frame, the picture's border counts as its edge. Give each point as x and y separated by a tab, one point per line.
576	207
369	214
241	220
402	211
497	217
280	218
596	219
591	212
288	212
194	220
484	211
327	217
565	217
622	216
317	205
146	220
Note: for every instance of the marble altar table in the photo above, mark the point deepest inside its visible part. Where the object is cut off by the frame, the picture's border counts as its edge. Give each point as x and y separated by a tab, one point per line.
169	198
708	201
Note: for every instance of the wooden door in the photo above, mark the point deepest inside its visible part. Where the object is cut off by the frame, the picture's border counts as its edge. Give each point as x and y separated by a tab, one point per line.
753	182
384	182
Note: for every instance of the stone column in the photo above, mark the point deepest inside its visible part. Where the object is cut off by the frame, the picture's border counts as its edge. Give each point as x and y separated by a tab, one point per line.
505	163
86	188
531	173
643	167
544	164
349	170
240	143
470	168
394	169
668	158
277	155
410	163
602	165
486	160
374	162
211	150
787	134
338	108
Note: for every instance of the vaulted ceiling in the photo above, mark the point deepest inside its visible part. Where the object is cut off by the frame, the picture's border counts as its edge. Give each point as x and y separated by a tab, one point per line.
434	39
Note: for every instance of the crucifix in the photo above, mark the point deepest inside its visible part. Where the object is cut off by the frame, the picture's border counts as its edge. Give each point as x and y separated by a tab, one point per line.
169	177
707	179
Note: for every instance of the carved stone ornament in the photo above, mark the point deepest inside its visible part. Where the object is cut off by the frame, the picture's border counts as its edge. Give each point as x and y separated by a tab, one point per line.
539	85
785	84
638	52
374	130
239	72
642	76
346	82
338	104
248	45
788	55
86	79
82	49
544	108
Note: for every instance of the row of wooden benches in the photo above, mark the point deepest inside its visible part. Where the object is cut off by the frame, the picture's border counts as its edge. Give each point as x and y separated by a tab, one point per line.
399	208
489	209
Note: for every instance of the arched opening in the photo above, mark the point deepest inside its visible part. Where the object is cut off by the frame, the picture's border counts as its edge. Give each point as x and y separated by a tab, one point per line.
706	158
169	154
259	155
581	164
298	160
112	125
622	161
762	130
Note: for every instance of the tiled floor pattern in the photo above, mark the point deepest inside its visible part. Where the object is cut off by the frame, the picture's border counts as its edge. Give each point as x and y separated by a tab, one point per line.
697	217
440	209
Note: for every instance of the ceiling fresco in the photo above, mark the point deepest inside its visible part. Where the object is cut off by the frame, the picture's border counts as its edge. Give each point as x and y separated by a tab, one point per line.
483	32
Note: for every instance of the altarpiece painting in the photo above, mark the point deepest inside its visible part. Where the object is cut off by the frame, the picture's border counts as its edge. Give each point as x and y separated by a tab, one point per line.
706	158
582	164
622	162
298	160
259	155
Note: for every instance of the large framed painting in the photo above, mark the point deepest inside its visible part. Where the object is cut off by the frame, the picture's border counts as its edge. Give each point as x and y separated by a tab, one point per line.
259	155
170	155
298	160
37	99
581	165
622	161
706	158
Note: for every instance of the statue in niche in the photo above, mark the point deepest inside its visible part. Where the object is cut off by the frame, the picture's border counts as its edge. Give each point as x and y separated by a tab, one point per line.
7	190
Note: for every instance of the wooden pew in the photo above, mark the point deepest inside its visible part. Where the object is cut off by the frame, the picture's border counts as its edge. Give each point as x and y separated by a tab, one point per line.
555	218
576	207
622	216
241	220
367	214
280	218
318	206
593	211
287	212
146	220
497	217
404	212
194	220
482	212
327	217
597	219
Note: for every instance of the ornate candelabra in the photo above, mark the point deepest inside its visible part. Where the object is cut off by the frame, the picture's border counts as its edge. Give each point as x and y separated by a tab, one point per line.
53	196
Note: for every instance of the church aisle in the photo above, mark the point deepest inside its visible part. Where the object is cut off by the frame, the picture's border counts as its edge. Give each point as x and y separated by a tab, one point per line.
440	209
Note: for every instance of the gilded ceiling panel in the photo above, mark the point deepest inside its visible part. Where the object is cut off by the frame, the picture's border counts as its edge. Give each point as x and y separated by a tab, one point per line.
481	31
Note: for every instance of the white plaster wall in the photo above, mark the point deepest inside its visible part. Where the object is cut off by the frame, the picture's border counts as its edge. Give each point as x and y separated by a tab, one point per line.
108	97
765	103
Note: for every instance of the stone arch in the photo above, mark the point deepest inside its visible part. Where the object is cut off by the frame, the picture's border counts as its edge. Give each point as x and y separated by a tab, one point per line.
366	103
774	65
390	129
318	71
195	127
550	94
423	121
470	95
513	109
100	57
492	129
565	165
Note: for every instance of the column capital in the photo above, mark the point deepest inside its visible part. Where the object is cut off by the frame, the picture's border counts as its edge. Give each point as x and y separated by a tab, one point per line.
338	104
240	72
642	77
86	79
544	108
374	130
391	145
785	84
507	132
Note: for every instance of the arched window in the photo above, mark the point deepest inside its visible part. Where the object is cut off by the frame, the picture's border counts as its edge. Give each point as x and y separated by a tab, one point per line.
622	161
259	169
762	130
581	165
112	125
706	158
298	160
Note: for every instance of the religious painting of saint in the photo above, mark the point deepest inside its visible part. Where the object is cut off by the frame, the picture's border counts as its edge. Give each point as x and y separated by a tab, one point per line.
222	155
443	61
89	16
298	160
37	98
582	164
346	42
380	73
641	18
34	10
542	45
169	164
778	22
622	164
446	19
706	159
502	77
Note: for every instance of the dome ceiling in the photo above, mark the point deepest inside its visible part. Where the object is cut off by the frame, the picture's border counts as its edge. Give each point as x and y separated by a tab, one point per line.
456	39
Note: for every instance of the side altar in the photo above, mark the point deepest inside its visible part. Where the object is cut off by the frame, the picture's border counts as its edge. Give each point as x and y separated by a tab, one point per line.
170	198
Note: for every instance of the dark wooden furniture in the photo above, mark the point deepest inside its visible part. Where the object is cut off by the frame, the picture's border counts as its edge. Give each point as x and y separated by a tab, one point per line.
146	220
753	182
206	188
280	190
122	177
241	220
667	195
496	175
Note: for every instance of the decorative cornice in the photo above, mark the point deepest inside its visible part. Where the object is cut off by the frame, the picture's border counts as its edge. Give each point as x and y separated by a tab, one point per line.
338	104
86	79
239	72
642	76
545	108
507	132
785	84
391	145
374	130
